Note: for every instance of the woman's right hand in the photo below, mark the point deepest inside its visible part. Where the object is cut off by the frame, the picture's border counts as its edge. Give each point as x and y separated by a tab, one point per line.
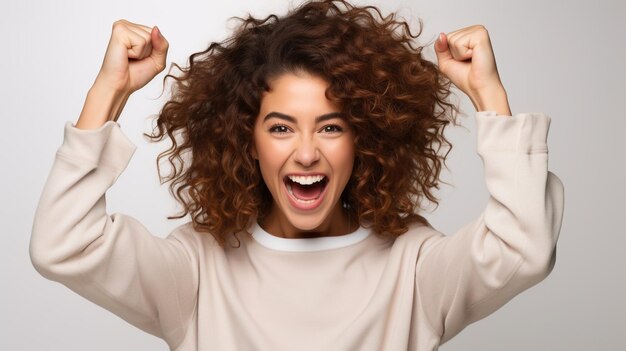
135	55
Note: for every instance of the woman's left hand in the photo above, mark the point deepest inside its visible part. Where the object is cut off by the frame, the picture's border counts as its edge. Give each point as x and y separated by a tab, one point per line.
465	56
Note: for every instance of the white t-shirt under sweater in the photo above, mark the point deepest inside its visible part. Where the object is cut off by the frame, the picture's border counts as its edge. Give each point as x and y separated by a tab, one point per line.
352	292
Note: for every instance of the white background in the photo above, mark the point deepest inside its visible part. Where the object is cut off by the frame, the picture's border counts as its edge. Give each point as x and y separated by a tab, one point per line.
564	58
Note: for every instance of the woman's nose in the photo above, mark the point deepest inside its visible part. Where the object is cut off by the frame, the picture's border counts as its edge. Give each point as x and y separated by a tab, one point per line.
307	152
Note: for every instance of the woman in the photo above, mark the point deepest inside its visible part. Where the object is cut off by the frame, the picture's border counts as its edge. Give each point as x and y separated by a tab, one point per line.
303	147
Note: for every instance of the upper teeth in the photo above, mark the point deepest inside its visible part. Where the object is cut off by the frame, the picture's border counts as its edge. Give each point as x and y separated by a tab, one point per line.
306	180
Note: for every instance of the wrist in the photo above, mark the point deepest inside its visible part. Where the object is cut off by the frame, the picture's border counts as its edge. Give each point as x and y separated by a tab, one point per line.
101	105
494	99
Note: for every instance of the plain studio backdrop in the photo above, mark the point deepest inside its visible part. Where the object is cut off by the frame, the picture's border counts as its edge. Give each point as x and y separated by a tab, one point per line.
563	58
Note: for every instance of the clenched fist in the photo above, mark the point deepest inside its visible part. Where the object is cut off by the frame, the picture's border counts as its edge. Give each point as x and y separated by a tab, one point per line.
465	56
134	56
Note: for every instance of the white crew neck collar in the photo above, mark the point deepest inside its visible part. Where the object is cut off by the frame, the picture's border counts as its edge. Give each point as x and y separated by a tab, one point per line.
307	244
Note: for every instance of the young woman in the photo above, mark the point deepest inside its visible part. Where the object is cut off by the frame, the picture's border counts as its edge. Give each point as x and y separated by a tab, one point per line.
303	150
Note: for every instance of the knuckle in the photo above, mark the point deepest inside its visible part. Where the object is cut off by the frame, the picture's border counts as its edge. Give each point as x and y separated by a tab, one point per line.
118	25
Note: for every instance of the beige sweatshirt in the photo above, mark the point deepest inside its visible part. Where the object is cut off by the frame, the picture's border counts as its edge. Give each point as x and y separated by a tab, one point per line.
352	292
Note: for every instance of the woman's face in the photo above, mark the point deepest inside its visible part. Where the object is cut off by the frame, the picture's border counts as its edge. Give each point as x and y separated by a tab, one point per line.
305	151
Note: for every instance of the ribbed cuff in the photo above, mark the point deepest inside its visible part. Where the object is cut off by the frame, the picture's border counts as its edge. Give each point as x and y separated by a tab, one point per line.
522	133
104	146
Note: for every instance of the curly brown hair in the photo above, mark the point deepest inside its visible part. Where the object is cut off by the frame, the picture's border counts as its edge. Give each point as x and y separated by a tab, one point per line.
395	101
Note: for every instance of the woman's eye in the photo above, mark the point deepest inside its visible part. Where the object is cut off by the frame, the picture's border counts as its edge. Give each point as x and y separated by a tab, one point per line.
281	129
332	128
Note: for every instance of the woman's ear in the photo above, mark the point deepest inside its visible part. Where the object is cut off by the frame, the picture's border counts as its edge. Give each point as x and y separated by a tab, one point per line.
253	151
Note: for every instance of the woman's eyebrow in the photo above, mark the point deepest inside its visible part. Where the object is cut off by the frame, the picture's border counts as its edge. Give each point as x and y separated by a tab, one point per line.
292	119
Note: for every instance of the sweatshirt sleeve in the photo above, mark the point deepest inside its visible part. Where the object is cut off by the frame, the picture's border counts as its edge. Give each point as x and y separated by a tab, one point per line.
111	260
464	277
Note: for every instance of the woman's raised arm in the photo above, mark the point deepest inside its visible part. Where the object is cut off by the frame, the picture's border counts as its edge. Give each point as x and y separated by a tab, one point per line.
464	277
112	259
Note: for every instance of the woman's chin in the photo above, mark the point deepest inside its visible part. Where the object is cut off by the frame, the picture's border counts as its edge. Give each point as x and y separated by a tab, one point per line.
307	225
292	222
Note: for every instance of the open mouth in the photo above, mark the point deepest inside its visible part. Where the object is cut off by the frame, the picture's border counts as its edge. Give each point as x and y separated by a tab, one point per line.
306	189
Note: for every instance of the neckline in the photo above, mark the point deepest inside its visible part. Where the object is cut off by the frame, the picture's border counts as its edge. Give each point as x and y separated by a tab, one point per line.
307	244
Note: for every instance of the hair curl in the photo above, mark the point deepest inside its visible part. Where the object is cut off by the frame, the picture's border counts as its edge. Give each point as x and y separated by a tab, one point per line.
395	101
